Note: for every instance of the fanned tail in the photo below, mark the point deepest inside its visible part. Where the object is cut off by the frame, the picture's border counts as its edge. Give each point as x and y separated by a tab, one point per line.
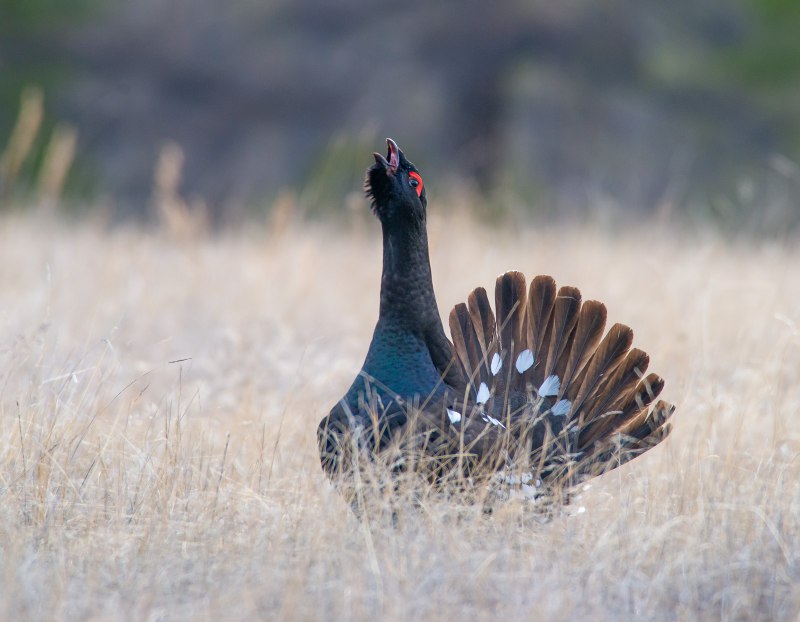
568	393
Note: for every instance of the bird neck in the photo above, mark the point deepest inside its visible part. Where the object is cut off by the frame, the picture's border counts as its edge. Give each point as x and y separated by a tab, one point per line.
407	297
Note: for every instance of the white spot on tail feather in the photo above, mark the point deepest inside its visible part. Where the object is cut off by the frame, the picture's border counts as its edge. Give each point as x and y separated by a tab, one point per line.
561	407
550	386
493	421
454	416
483	394
524	361
497	364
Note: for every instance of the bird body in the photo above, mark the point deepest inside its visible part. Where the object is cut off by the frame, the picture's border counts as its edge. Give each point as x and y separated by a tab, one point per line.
530	391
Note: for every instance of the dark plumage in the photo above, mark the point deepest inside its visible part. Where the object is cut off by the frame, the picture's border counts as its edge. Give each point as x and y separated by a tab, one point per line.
530	395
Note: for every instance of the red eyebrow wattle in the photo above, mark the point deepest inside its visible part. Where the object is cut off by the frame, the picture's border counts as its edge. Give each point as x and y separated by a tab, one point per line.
416	176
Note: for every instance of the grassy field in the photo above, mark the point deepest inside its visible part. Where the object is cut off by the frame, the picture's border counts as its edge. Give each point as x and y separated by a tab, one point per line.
159	400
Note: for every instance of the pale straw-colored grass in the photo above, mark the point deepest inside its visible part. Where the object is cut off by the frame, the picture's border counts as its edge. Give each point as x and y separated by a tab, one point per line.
159	399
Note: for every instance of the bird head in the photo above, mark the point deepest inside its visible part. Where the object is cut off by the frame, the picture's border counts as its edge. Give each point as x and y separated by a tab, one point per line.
395	187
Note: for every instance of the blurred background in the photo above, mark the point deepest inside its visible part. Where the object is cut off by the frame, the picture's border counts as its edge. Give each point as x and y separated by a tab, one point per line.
687	110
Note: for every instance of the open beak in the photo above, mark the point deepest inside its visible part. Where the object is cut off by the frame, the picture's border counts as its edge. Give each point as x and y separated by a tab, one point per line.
392	159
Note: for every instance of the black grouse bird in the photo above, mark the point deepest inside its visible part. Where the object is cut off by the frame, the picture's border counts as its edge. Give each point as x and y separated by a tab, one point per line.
530	397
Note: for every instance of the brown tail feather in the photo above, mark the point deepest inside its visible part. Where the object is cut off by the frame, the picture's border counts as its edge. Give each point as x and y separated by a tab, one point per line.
510	303
612	394
654	420
603	363
560	329
472	327
541	299
483	323
466	345
646	391
510	306
588	331
617	449
630	416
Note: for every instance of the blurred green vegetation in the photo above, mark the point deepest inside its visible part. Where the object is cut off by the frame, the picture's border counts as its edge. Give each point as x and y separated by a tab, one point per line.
29	72
769	58
767	63
16	15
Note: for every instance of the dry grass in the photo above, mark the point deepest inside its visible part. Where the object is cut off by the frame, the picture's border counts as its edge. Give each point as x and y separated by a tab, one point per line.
158	403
